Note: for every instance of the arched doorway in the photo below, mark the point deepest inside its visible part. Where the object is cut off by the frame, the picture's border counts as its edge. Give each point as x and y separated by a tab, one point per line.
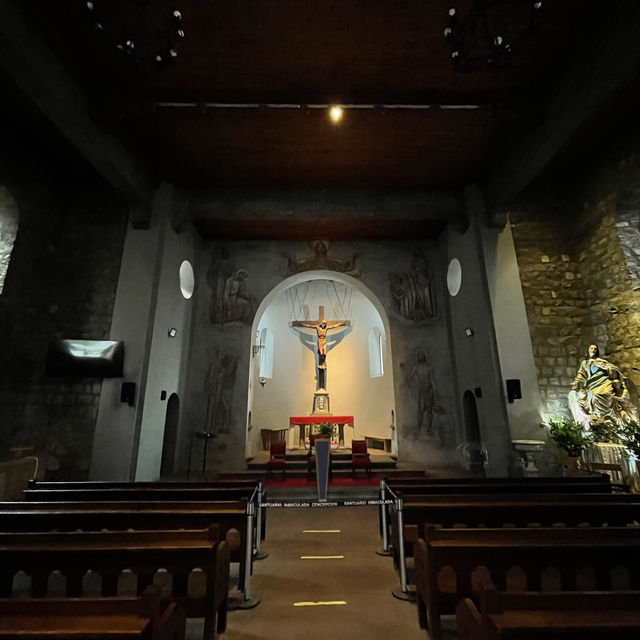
473	448
170	436
284	374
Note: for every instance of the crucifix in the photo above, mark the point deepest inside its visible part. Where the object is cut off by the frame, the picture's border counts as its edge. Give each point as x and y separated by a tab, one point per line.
321	326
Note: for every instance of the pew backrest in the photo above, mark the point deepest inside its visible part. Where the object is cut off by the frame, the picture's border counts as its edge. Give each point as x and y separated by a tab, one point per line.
110	554
498	551
130	616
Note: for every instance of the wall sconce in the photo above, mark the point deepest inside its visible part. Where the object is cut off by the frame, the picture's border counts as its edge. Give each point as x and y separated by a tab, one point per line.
262	380
255	349
468	332
173	332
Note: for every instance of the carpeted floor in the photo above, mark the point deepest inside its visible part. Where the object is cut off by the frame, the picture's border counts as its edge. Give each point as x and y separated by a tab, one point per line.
361	580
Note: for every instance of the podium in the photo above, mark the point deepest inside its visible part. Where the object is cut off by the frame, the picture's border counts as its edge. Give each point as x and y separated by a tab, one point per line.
323	453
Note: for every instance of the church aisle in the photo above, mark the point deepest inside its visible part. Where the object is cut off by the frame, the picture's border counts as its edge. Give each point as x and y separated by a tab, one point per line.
362	579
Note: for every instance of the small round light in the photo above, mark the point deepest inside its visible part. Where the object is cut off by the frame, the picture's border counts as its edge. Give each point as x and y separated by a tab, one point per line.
452	12
158	58
90	6
180	33
177	15
447	32
497	41
335	113
173	53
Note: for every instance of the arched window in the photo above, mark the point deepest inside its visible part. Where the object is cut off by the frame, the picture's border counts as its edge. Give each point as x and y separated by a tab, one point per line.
9	216
266	353
376	352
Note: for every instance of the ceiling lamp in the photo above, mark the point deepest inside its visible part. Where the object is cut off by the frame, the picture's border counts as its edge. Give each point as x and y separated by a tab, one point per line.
491	32
336	113
139	29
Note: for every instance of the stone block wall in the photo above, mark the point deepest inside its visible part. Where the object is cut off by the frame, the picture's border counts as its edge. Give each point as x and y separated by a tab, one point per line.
555	298
580	271
60	283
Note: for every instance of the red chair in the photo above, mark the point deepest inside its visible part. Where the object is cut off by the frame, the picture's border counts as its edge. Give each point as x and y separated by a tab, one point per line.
278	456
359	456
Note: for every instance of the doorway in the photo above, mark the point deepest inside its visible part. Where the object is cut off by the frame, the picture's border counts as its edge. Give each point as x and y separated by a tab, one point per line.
170	436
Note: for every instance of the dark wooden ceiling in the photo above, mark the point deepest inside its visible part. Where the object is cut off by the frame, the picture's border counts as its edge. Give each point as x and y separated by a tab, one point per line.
310	52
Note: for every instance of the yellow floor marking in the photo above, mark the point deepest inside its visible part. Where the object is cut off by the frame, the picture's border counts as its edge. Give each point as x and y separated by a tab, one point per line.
321	531
321	557
318	604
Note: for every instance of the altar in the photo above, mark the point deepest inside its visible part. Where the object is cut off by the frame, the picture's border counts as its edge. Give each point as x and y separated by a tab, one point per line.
305	424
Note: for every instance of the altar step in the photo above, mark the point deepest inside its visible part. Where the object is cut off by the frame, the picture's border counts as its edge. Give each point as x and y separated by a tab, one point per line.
340	462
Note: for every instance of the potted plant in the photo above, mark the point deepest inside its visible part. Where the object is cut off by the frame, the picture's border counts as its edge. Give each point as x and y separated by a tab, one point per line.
600	431
629	436
326	429
570	437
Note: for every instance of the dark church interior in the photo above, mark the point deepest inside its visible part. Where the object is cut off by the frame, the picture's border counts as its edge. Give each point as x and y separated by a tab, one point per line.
380	258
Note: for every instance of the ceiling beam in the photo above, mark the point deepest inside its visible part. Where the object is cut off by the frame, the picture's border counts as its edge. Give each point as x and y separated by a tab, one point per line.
331	214
607	61
32	66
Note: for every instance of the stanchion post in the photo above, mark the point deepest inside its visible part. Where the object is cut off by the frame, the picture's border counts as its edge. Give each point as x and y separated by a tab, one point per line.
384	551
258	553
248	599
404	593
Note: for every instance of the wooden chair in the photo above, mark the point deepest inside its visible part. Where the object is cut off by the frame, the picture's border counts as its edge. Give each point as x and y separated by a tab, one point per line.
359	456
615	473
278	456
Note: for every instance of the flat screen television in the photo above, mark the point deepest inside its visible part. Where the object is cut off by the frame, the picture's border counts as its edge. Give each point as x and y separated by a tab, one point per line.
85	358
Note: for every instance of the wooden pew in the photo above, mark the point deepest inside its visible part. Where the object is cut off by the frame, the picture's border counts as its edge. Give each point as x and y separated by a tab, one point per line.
586	478
416	486
237	487
72	618
229	516
111	553
509	509
501	487
160	484
152	493
138	494
568	550
571	615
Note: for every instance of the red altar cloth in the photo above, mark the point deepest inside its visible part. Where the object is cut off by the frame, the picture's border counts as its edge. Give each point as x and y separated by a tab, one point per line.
293	420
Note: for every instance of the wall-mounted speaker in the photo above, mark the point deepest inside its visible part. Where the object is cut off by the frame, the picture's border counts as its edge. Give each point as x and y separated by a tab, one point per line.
128	393
513	390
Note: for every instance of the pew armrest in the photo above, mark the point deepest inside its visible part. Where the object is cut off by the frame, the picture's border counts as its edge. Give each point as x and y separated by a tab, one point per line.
172	623
469	621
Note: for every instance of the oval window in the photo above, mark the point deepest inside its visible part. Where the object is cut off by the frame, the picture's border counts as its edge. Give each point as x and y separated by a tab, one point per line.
454	276
187	279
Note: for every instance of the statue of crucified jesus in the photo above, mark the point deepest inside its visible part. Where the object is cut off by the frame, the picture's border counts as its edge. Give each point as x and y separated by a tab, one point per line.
321	326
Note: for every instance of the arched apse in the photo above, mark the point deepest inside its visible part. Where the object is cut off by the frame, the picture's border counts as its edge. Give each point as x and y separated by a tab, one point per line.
352	389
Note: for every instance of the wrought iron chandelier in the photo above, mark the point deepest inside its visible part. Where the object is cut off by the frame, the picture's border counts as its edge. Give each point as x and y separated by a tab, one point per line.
491	32
139	29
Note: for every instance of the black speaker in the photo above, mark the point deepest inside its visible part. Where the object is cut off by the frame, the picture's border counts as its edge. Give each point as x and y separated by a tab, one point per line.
513	390
128	393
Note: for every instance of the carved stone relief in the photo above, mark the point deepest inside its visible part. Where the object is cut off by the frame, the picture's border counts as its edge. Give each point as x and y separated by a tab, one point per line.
429	417
321	260
412	291
218	386
230	300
